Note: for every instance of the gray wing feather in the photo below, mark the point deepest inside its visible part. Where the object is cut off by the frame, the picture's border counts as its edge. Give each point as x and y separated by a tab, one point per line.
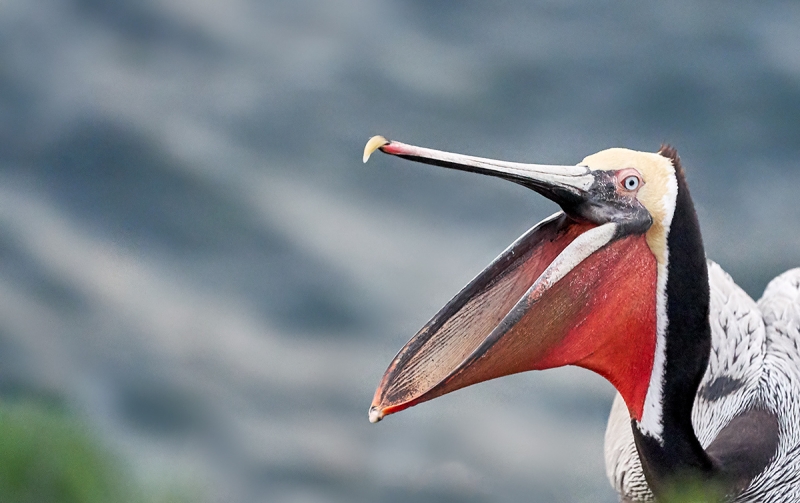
780	389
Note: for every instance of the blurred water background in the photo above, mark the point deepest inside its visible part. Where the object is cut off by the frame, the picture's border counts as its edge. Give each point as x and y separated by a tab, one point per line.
195	263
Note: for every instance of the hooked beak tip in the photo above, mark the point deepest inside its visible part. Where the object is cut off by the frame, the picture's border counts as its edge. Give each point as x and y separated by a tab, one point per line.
375	414
372	145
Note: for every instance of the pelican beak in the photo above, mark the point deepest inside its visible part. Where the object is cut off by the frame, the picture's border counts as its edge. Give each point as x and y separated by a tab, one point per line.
566	185
552	298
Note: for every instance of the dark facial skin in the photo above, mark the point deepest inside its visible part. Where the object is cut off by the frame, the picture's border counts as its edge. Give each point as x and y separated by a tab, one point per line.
609	199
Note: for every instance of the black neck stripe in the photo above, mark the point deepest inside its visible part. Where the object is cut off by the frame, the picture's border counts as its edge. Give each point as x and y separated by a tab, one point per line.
688	344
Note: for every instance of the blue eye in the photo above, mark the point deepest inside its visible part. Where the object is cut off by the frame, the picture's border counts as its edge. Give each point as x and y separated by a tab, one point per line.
631	182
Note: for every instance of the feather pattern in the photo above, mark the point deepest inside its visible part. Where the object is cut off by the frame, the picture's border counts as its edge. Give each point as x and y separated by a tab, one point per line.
754	362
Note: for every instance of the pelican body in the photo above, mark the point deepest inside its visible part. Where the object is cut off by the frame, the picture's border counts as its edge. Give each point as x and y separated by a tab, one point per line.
708	380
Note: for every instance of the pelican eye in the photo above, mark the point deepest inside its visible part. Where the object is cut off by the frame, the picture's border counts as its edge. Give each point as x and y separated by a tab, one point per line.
631	182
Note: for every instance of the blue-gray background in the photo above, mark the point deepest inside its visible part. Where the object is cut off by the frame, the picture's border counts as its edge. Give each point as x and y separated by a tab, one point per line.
193	257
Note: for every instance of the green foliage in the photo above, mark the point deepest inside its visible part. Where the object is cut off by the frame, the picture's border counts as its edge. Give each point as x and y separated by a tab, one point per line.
694	491
47	457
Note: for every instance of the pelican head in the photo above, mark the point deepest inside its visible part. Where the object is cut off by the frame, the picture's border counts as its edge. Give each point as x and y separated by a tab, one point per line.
584	287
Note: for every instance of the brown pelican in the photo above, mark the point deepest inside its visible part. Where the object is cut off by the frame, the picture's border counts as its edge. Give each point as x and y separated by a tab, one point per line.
708	380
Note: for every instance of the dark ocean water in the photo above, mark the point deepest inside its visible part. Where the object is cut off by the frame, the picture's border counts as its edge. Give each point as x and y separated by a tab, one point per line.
194	258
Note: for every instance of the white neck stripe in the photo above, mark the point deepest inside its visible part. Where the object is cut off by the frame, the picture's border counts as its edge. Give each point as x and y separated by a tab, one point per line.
652	420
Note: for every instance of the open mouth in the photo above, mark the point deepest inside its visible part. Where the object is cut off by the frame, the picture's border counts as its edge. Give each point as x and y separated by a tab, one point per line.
550	299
